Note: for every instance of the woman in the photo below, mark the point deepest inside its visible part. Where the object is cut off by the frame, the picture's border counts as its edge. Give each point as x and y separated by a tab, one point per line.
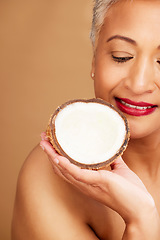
123	201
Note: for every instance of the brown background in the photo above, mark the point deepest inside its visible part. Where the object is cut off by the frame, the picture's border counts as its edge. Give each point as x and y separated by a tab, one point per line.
45	59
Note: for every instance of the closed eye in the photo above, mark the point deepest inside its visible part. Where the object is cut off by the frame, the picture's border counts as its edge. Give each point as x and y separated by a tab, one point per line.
121	59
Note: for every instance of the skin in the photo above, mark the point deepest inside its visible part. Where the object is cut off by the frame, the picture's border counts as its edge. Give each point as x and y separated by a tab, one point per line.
123	201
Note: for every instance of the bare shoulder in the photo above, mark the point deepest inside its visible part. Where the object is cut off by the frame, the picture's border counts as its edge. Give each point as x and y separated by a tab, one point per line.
46	207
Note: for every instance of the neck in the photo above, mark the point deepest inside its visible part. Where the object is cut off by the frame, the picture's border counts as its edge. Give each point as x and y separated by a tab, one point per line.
143	155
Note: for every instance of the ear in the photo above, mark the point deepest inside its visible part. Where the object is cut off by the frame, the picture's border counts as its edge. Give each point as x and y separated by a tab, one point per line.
93	68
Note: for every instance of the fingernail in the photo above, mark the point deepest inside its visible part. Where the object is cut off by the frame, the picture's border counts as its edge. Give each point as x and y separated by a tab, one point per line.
42	147
42	137
56	160
46	138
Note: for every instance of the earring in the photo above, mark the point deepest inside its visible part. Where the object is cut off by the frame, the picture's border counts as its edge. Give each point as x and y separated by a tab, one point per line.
92	75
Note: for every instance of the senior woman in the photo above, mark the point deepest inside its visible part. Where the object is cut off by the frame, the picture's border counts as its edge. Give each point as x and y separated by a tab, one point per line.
62	201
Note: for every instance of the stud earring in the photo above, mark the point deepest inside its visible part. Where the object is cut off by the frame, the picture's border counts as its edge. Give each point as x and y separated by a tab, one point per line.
92	75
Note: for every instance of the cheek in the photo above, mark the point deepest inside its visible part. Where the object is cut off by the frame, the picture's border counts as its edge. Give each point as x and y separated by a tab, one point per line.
140	128
106	80
103	88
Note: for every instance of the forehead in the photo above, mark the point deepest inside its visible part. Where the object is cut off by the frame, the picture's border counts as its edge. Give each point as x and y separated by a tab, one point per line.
133	17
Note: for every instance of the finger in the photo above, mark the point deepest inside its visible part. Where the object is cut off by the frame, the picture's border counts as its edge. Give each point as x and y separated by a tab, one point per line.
58	172
85	187
81	175
118	163
57	169
44	136
61	172
49	150
71	171
53	156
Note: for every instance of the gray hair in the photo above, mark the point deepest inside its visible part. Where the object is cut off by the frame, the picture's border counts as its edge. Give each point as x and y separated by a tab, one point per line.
99	12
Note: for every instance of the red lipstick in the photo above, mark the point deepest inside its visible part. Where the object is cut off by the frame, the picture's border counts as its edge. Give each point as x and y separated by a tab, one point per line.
135	108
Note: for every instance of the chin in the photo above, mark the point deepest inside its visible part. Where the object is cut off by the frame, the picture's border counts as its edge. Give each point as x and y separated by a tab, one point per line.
141	131
136	135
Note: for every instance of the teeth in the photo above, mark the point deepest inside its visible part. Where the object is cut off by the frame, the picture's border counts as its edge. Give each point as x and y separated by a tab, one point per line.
133	106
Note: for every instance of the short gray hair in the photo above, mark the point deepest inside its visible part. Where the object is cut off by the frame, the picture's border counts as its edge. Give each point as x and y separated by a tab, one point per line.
99	12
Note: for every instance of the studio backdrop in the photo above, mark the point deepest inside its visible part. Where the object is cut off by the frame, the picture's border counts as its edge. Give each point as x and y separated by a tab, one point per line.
45	59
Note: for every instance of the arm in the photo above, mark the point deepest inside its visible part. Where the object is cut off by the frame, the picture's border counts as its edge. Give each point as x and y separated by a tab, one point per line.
44	208
146	227
119	189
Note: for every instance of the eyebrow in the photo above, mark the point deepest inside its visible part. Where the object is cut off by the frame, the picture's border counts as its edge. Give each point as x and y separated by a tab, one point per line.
122	38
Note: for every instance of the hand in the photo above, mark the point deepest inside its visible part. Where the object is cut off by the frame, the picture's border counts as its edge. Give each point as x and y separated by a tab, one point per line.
120	189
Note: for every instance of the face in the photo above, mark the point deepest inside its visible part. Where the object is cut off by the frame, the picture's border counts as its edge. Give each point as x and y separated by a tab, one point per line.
126	64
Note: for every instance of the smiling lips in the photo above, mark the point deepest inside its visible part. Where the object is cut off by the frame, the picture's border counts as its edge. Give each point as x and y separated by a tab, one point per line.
135	108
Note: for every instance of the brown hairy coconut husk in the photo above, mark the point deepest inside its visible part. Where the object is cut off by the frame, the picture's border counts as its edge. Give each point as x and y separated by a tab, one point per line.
90	133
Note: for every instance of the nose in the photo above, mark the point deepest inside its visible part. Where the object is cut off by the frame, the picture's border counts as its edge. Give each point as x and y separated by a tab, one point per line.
141	77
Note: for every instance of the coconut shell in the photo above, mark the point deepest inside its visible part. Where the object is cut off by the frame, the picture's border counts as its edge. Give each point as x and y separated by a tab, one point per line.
51	134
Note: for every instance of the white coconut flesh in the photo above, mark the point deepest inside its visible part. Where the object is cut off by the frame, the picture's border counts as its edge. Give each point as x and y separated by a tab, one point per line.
89	132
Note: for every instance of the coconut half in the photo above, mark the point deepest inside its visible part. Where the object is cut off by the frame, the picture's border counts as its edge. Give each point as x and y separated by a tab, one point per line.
90	133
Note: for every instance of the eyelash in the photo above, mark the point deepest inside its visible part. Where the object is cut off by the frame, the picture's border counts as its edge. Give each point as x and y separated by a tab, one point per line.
121	59
125	59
